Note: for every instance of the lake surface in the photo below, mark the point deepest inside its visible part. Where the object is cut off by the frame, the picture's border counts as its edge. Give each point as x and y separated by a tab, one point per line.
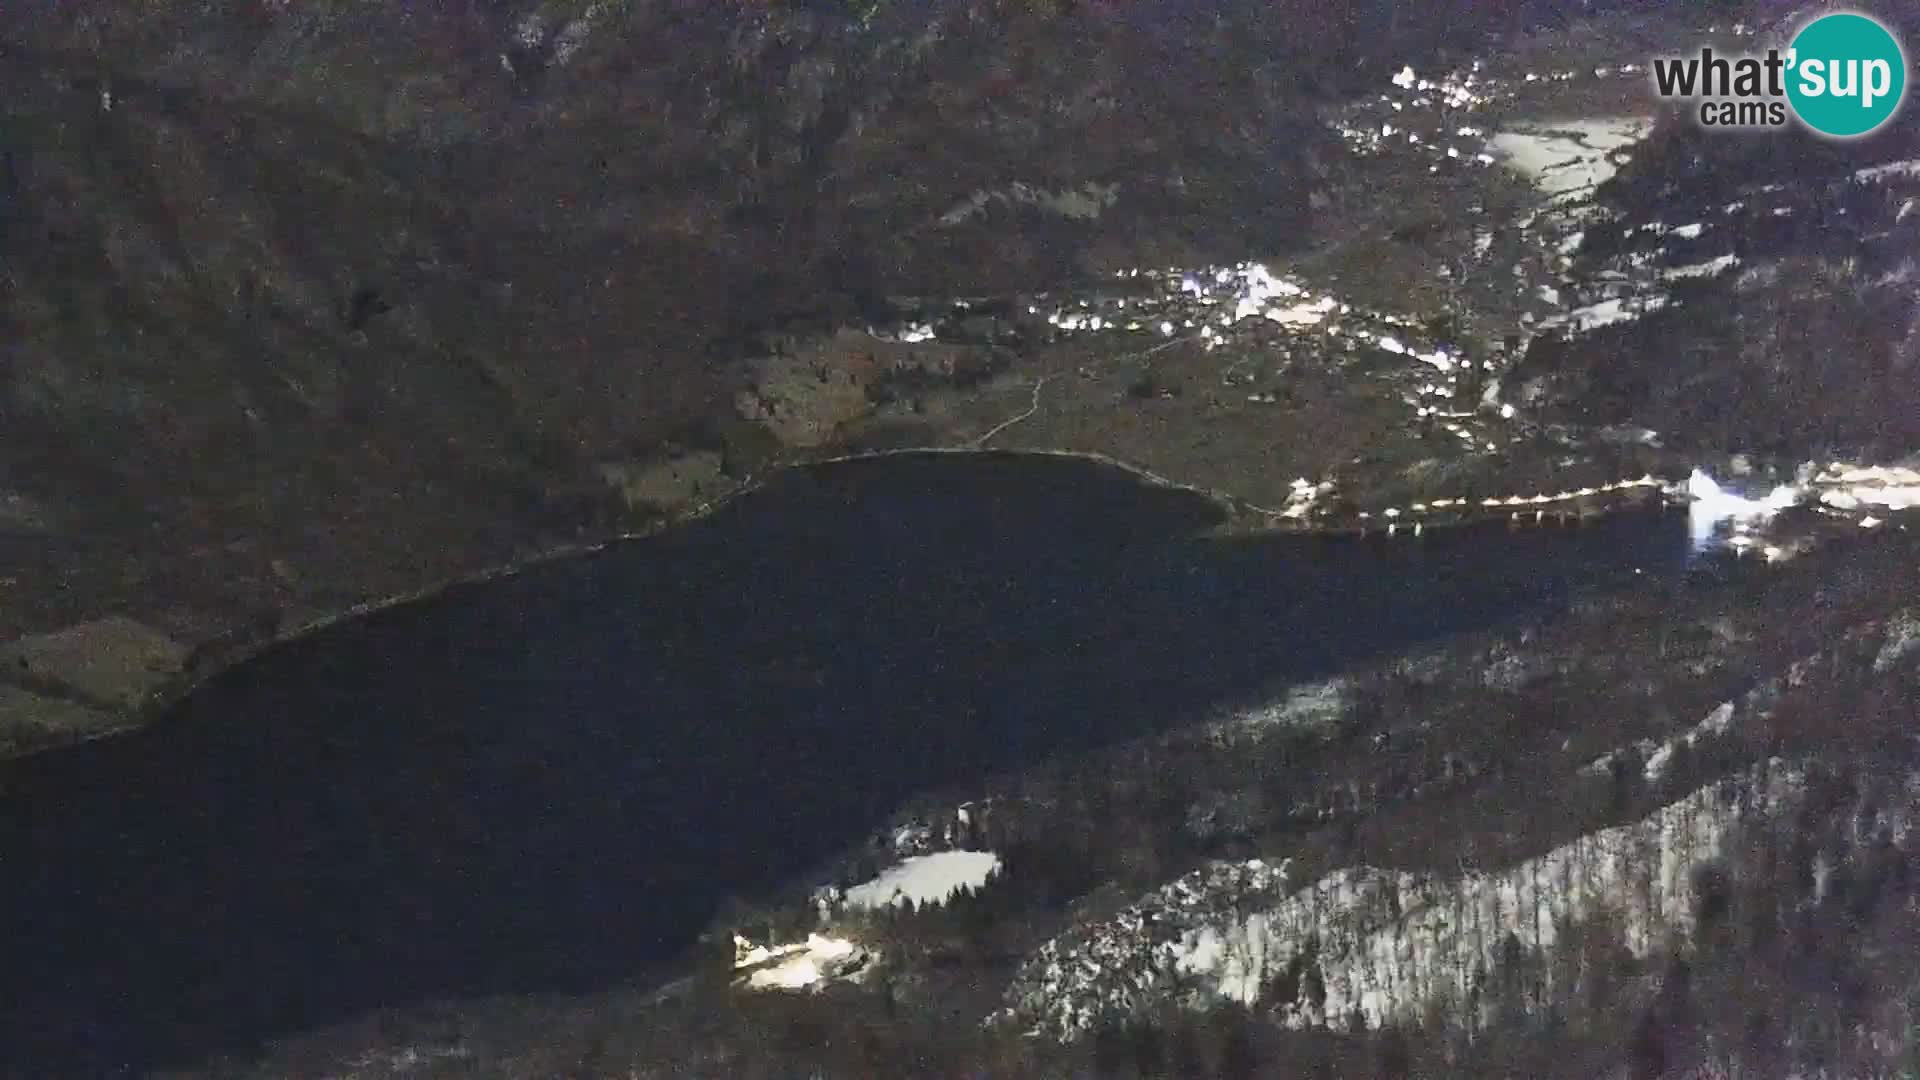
548	781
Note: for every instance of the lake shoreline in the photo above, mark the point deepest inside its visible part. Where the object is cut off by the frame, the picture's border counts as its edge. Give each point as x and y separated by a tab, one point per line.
213	659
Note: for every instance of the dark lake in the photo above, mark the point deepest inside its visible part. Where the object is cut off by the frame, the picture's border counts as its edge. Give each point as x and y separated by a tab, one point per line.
548	781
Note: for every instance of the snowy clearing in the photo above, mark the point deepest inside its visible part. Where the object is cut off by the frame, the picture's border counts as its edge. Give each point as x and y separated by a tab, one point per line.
1571	157
799	966
926	879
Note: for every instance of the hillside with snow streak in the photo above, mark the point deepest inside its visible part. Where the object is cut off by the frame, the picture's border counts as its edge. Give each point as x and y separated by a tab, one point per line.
1384	945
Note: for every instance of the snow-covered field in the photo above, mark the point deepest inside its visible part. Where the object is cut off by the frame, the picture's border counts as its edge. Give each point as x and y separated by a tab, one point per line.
926	879
826	957
799	966
1568	159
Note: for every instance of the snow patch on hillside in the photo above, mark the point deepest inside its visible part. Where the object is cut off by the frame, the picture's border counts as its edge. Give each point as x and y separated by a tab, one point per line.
1568	159
1315	706
1710	268
803	965
1084	203
1896	170
1604	313
1717	723
926	879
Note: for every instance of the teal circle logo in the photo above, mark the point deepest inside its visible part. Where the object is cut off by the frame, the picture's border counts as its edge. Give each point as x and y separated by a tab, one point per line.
1846	75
